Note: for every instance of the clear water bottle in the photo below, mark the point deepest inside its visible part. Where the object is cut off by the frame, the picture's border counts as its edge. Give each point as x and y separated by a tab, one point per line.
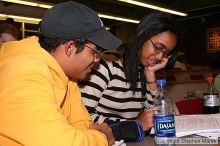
211	98
164	122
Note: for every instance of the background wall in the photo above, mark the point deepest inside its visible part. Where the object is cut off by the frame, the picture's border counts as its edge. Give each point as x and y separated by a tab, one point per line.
192	36
193	39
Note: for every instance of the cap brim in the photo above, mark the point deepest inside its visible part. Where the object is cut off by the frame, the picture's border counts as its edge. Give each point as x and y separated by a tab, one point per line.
104	39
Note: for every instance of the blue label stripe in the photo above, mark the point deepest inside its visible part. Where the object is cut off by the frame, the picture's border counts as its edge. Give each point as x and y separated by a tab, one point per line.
164	125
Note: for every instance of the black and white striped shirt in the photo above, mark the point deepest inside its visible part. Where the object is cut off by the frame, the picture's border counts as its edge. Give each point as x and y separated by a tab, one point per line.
107	95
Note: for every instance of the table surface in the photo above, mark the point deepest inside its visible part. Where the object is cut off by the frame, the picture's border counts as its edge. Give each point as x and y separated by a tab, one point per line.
149	141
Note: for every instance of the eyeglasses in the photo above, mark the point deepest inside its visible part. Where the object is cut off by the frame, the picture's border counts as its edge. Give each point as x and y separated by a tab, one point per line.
158	50
95	51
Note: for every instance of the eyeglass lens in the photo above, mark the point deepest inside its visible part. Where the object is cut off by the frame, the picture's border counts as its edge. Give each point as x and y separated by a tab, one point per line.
158	50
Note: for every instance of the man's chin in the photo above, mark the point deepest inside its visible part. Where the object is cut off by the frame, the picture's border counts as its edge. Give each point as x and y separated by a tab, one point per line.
84	76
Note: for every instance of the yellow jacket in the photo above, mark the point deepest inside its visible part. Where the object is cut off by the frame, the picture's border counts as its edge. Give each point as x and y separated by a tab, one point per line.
39	106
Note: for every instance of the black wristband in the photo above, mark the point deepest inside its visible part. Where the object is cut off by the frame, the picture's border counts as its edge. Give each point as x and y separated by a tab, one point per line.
122	130
149	82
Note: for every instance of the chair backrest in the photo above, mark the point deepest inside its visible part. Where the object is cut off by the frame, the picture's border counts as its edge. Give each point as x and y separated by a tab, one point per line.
190	106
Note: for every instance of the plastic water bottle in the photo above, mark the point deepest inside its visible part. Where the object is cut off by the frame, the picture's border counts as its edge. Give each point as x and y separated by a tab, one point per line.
211	98
164	122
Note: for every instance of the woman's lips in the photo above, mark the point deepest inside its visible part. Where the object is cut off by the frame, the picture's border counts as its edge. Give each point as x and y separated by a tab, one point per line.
152	62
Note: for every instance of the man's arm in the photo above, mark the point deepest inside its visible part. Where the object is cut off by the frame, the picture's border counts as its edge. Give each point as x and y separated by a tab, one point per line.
30	112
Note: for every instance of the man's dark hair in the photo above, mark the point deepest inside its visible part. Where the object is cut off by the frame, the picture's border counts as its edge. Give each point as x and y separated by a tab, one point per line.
51	43
10	20
48	43
149	26
10	29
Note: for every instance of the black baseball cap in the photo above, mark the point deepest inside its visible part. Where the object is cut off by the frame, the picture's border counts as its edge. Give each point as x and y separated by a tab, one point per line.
72	20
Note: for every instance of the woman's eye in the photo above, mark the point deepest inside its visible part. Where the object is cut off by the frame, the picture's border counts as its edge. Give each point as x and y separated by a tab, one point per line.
157	47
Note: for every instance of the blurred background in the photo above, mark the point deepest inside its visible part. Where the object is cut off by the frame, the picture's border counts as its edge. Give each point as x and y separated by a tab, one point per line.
198	22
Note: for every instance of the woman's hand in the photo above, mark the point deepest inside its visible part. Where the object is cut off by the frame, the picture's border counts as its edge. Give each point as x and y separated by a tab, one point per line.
149	71
104	128
146	119
157	66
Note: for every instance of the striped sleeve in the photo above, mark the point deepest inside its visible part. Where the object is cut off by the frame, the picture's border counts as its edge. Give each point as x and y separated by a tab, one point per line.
108	95
92	89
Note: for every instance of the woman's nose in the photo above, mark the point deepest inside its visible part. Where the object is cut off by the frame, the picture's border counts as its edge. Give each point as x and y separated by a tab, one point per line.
159	56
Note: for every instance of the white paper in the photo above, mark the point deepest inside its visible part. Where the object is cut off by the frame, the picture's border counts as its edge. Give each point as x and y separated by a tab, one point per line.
119	143
212	135
193	124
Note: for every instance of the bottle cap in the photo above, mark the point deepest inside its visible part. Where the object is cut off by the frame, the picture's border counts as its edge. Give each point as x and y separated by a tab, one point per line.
161	82
210	79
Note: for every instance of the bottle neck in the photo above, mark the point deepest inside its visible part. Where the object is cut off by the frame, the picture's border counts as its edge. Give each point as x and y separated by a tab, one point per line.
210	83
210	86
161	87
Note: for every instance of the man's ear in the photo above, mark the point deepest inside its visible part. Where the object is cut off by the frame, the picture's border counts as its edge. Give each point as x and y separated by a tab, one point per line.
70	48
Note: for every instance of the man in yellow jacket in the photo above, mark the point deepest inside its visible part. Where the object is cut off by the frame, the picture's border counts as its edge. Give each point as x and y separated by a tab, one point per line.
40	102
